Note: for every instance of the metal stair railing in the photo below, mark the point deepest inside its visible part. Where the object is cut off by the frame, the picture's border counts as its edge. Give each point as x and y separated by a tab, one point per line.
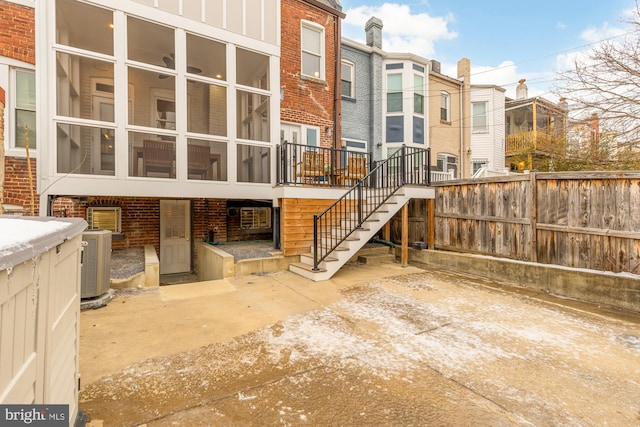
332	227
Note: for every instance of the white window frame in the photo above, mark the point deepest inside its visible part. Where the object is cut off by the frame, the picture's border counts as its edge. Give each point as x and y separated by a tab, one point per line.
389	91
352	67
115	209
11	109
303	131
418	91
476	164
444	158
446	97
321	35
474	116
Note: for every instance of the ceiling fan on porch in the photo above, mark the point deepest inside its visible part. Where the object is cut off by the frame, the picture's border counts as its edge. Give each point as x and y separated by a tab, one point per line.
170	62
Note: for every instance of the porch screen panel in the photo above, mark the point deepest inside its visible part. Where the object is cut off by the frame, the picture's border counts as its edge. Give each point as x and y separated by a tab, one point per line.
254	164
84	26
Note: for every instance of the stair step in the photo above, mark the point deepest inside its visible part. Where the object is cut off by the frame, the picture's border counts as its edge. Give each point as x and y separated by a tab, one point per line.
307	267
375	259
327	259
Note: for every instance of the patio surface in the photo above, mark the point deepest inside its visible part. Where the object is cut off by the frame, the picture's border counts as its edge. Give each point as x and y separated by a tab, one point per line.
375	345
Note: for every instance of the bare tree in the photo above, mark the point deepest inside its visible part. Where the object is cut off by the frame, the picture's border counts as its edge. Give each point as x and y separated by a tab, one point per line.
606	82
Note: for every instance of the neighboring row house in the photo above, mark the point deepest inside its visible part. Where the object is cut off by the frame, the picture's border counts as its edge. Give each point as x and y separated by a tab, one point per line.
405	100
536	131
487	130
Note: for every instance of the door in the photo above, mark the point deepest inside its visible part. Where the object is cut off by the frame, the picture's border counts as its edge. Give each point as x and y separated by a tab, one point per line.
104	160
175	236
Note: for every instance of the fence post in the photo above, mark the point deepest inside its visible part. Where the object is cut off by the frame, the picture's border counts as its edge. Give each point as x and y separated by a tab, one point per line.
431	223
533	215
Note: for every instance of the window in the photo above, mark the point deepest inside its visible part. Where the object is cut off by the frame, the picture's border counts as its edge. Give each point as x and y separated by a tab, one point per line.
479	117
253	102
104	218
312	50
477	164
25	108
448	163
255	218
445	107
418	94
394	93
253	163
312	136
347	80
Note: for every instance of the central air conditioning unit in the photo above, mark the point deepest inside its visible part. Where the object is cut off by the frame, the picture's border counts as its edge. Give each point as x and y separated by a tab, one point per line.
96	263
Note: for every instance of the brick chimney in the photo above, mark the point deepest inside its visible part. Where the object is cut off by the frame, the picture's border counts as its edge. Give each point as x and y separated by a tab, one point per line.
373	30
522	92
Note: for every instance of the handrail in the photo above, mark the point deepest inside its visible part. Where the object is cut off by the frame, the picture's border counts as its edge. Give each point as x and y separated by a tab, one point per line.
347	214
300	164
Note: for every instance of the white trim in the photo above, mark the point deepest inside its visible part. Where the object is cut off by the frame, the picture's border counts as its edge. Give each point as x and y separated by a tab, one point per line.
8	71
321	30
26	3
121	184
447	107
352	65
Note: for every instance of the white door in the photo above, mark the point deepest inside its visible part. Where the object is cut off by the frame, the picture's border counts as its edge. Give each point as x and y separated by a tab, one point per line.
289	133
175	236
104	159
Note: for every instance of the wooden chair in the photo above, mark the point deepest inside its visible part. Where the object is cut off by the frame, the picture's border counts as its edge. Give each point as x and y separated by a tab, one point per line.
158	157
356	169
199	160
311	167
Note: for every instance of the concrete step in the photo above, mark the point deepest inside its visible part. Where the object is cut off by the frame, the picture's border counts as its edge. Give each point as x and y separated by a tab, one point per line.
376	259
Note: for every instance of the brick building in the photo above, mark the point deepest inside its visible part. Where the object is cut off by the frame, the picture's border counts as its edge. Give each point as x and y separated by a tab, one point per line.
176	126
17	78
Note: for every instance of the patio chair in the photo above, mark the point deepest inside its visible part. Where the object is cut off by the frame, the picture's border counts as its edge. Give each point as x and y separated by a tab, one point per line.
311	167
159	157
199	160
356	169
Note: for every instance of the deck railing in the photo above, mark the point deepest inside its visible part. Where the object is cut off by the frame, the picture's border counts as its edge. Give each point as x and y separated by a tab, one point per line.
312	165
531	141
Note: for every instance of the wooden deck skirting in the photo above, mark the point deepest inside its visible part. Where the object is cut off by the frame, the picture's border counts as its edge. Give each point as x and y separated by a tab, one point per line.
296	223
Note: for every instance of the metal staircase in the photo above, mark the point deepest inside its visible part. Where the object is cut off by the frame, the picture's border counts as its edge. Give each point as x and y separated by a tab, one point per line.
354	219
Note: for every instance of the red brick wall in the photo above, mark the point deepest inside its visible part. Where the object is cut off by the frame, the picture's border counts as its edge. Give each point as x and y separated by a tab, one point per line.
307	101
210	214
2	96
17	32
16	184
17	41
141	218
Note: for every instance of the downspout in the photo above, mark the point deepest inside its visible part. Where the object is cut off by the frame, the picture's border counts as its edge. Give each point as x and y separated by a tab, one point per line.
462	153
337	83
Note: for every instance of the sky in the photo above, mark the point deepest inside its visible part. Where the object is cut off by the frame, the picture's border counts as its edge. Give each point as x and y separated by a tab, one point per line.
505	40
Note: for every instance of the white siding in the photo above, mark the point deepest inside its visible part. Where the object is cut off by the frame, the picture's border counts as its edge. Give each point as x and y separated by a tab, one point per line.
490	145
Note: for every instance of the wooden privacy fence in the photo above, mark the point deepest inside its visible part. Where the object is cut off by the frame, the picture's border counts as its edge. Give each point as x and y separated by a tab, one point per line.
578	219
